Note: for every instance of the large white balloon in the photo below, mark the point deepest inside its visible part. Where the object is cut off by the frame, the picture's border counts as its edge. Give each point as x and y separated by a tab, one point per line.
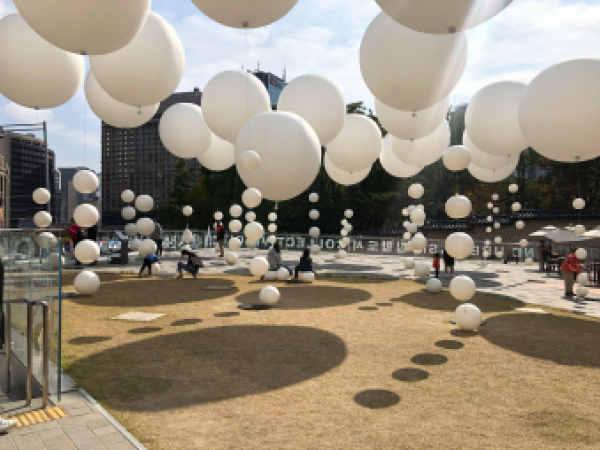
230	99
235	210
313	214
424	151
245	14
85	182
187	210
313	197
249	160
41	196
484	160
357	146
462	288
392	164
147	247
250	216
492	118
272	216
411	124
254	231
458	207
416	191
86	283
441	16
289	150
235	226
145	71
433	286
144	203
418	217
86	27
251	197
259	266
130	229
46	240
234	244
314	232
341	176
42	219
35	73
111	111
127	196
456	158
145	226
419	242
578	203
459	245
219	156
86	215
183	131
495	175
134	244
468	317
408	70
87	251
319	101
559	111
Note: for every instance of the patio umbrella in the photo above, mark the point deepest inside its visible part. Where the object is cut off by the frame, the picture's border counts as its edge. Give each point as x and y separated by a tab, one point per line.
559	236
538	233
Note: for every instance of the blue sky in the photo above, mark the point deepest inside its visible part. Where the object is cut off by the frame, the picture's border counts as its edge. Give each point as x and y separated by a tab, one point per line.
324	37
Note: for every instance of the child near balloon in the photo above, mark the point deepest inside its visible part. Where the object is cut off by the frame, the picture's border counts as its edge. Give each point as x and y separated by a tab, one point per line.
148	261
436	264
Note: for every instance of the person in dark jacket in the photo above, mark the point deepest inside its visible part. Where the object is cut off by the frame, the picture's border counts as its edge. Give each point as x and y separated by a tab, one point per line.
148	261
193	265
305	264
221	237
448	263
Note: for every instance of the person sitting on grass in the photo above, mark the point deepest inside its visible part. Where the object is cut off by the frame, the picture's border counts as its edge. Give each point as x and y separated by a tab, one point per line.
194	263
305	264
148	261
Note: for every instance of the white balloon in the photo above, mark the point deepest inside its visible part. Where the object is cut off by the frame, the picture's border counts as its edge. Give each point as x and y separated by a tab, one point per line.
282	274
251	197
249	160
579	203
187	210
218	215
581	253
462	288
418	217
144	203
246	14
498	239
416	191
85	27
86	215
269	295
313	198
348	227
313	214
357	146
187	236
314	232
259	266
183	131
127	196
272	239
405	212
271	275
254	231
234	244
424	151
523	242
458	207
231	258
490	219
419	242
46	240
272	228
147	247
145	71
433	286
319	101
315	249
516	206
422	270
583	278
235	226
496	210
86	282
487	243
219	156
113	112
41	196
35	73
42	219
492	118
156	268
485	254
348	214
582	291
492	176
579	229
408	70
134	245
407	236
456	158
513	188
130	229
85	182
440	16
346	241
87	251
145	226
344	232
344	221
306	277
390	162
235	210
342	177
411	124
495	197
411	227
468	317
528	262
250	216
342	254
459	245
128	213
409	263
559	110
230	99
484	160
272	217
290	153
520	224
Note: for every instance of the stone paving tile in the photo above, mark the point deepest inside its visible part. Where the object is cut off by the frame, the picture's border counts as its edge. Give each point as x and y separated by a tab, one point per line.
113	439
7	442
103	431
59	443
29	442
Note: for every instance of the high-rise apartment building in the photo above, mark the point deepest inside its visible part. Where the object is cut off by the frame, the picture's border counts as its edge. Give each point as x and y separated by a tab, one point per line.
25	156
273	83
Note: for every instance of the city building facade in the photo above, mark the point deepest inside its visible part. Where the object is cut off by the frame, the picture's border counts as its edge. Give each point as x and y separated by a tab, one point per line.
70	198
273	83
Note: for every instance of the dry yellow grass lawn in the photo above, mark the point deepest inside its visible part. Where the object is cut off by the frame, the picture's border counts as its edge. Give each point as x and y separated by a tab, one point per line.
325	369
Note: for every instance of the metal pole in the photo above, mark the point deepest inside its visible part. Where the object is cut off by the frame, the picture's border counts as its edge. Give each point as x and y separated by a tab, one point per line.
29	352
8	348
46	356
46	165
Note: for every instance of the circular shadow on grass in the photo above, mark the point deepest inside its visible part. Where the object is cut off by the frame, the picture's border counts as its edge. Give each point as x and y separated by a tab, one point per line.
367	308
207	365
308	297
429	359
445	302
83	340
565	340
377	398
227	314
144	330
449	344
183	322
410	374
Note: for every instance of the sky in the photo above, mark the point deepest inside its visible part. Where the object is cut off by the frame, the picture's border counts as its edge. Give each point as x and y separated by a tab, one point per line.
323	37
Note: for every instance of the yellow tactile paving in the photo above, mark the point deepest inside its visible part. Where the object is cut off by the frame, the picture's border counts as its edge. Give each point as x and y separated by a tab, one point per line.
39	416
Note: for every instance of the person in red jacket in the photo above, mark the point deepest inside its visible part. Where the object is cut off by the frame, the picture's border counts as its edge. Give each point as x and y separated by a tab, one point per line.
570	269
436	264
76	234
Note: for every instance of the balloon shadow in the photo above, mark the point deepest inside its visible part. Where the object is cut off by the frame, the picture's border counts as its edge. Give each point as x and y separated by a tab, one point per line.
444	301
308	297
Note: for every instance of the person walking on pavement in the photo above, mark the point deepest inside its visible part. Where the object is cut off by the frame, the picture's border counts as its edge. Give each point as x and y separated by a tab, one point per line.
157	237
570	269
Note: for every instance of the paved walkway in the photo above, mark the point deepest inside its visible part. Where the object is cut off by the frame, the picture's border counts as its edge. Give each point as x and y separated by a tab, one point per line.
518	282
